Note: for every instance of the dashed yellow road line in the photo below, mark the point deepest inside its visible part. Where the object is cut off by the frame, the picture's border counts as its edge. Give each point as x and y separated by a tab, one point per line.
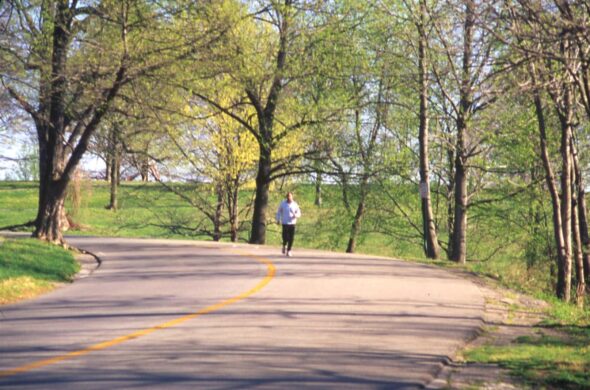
270	272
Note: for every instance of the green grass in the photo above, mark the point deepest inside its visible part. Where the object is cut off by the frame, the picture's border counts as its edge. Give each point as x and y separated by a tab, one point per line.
29	267
557	357
544	361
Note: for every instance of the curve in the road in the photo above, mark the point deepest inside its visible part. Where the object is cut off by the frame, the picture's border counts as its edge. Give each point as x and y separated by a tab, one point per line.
270	273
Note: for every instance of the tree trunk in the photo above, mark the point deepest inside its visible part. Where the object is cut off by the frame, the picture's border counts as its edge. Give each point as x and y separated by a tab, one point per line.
218	213
550	180
113	204
318	190
564	277
115	169
107	173
258	233
233	212
144	171
579	189
578	256
52	217
431	248
358	218
449	198
459	240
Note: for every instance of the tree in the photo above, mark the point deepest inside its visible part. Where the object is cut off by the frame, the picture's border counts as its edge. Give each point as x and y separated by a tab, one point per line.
69	61
268	50
464	80
58	89
550	41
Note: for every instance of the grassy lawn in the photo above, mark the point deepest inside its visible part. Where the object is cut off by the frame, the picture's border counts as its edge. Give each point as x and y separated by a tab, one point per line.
29	267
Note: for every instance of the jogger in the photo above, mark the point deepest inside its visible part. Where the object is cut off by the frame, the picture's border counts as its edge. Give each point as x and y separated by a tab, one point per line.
287	215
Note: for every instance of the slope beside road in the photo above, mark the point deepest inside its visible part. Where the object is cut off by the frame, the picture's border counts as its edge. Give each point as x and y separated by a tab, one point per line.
177	314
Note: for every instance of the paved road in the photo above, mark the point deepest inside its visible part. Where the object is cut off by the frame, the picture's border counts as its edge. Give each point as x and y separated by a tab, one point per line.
172	314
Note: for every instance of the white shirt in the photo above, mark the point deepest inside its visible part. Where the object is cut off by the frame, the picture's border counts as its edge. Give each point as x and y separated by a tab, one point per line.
288	213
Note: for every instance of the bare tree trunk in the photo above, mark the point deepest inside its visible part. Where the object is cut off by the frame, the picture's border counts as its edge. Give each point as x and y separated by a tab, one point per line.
431	249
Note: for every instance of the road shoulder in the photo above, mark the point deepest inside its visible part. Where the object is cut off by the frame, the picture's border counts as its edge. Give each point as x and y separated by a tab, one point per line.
508	315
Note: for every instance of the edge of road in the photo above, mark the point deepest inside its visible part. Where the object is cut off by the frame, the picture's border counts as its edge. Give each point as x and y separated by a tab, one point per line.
89	262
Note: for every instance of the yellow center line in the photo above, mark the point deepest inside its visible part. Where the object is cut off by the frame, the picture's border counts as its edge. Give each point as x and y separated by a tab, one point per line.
270	272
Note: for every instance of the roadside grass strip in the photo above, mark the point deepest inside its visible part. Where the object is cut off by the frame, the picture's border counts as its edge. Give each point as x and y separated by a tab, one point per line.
542	360
29	267
270	272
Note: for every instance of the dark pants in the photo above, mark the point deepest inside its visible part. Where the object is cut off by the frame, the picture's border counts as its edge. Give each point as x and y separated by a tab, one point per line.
288	236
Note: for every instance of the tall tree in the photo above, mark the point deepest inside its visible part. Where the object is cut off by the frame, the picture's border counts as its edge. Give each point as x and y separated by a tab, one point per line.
69	61
268	52
464	81
549	39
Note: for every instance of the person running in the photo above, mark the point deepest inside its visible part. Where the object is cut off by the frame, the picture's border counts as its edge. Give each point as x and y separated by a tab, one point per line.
287	215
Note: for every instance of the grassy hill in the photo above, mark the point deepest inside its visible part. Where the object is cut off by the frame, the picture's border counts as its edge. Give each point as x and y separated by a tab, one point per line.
499	240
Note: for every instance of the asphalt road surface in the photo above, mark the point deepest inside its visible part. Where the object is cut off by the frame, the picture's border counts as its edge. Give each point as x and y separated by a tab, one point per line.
198	315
